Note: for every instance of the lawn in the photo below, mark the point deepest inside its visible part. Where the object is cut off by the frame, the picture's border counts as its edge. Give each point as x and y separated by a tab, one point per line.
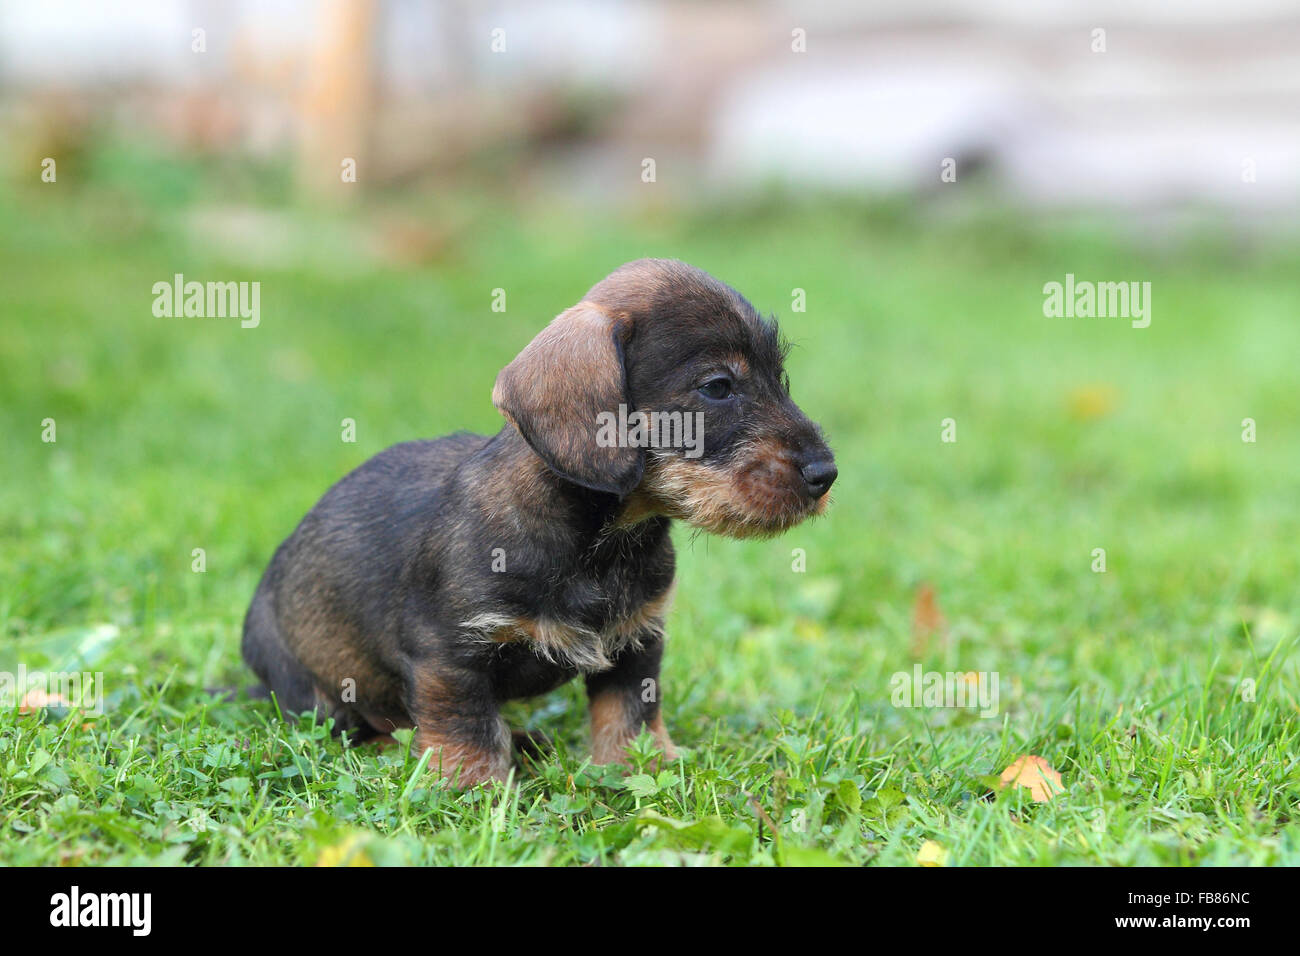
1163	690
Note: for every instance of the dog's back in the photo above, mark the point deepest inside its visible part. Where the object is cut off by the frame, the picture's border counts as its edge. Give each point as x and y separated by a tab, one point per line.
330	580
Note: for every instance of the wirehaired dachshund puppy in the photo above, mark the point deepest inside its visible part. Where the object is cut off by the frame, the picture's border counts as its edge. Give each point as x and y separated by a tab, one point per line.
444	577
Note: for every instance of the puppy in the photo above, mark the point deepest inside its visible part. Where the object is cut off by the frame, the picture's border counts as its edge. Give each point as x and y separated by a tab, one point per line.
444	577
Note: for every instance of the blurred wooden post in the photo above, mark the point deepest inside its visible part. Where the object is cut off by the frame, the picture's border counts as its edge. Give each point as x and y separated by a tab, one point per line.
338	99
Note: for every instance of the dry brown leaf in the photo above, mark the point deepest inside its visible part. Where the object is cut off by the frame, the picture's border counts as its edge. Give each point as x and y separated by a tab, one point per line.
36	698
1035	773
927	620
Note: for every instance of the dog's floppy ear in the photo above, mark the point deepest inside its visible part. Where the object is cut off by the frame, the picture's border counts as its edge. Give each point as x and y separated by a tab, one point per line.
556	389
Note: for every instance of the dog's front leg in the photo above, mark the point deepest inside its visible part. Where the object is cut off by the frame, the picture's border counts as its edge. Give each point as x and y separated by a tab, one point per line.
456	716
624	700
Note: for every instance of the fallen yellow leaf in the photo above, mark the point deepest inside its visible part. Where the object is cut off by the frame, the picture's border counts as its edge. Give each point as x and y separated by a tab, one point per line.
1090	402
1036	774
932	854
349	852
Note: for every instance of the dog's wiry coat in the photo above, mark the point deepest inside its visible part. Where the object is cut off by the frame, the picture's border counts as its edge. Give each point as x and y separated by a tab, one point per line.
443	577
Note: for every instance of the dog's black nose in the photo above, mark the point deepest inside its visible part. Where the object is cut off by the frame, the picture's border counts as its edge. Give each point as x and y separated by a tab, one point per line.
819	475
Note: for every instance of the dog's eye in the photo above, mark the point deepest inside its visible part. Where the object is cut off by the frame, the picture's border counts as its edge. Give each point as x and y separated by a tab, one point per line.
716	389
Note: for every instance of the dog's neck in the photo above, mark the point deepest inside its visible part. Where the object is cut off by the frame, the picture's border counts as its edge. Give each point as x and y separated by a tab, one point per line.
511	475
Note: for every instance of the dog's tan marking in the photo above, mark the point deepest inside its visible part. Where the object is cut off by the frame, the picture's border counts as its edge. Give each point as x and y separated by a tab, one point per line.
637	507
465	764
649	616
467	750
754	495
613	728
554	641
739	365
560	643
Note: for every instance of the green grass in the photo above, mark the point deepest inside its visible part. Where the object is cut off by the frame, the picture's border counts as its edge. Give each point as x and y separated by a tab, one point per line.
1073	434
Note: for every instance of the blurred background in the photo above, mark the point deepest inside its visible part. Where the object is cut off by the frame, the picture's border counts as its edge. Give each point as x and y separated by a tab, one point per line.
896	182
1132	106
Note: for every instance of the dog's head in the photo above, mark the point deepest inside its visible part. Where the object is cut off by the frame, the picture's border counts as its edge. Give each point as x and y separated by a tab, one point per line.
665	386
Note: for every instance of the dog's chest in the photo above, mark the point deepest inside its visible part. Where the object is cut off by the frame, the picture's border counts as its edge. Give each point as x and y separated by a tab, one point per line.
588	634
